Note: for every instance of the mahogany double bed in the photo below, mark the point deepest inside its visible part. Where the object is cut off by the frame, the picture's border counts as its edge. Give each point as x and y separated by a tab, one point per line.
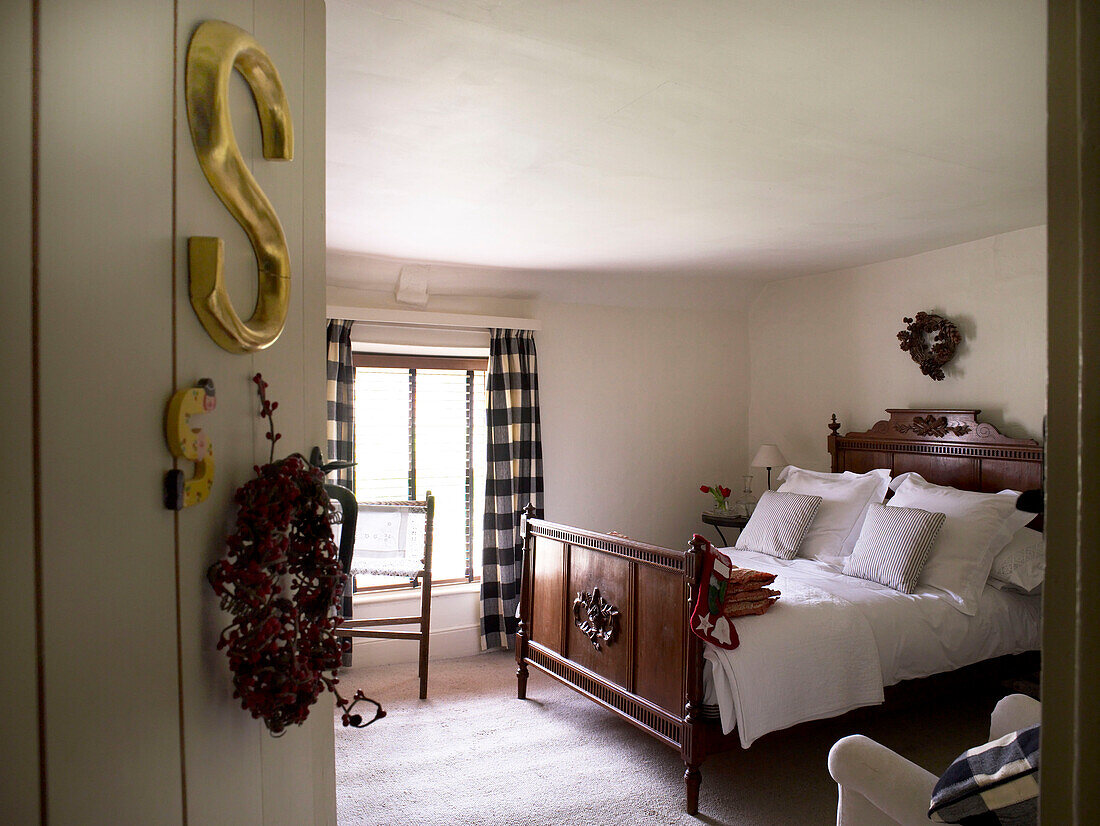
610	617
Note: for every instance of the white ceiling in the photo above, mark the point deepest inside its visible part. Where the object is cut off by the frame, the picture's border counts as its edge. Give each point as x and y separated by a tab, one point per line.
759	138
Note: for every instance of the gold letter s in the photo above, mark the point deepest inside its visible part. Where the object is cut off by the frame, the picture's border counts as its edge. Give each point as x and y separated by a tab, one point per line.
216	49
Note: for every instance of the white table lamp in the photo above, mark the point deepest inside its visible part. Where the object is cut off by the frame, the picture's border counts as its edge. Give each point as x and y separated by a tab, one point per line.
769	456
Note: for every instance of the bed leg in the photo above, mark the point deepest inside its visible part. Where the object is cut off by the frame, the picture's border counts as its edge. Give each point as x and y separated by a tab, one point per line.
521	680
692	779
693	747
523	614
521	660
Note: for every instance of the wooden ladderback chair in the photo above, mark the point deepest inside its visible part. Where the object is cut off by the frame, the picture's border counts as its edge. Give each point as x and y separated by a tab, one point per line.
386	540
346	516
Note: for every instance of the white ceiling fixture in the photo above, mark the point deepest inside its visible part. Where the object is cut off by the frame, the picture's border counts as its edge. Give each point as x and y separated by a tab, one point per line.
754	138
412	285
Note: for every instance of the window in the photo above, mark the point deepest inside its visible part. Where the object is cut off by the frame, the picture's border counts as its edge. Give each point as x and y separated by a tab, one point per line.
420	426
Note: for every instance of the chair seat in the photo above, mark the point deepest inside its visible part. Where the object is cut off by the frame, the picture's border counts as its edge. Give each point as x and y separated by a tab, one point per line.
388	567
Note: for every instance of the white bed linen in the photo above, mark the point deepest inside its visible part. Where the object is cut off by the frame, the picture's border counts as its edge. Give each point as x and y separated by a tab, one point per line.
760	688
762	684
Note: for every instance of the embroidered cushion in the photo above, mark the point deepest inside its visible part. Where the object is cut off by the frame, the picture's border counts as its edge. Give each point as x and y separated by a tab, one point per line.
1020	565
995	783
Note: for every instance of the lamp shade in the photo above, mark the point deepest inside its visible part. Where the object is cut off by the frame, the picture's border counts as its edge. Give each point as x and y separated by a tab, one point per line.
768	456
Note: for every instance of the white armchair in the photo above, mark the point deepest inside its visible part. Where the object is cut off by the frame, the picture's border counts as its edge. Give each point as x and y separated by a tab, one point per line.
878	787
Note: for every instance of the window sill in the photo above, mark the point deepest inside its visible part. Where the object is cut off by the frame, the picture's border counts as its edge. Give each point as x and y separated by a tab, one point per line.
399	594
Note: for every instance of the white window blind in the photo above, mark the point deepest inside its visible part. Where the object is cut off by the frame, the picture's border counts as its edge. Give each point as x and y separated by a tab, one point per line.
381	433
421	427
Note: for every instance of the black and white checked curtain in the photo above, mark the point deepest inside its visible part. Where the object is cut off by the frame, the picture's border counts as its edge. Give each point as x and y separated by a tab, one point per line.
513	477
340	389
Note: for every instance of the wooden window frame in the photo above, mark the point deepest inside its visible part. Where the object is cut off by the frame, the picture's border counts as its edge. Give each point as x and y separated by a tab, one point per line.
421	362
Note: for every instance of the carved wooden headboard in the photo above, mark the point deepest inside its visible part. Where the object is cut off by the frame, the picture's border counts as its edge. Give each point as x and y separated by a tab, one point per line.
947	447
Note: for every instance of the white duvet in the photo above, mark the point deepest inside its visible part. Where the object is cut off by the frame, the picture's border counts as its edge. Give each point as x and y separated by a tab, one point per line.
832	642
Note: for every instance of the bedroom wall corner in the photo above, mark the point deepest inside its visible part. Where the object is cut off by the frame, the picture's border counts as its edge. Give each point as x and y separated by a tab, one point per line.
235	771
108	644
139	721
828	343
19	744
1071	617
314	378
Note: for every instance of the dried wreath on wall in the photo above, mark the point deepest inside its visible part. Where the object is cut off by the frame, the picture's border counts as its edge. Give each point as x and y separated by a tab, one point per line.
281	580
931	341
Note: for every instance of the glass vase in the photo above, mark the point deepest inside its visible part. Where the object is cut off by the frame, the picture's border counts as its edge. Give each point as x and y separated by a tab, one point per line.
745	505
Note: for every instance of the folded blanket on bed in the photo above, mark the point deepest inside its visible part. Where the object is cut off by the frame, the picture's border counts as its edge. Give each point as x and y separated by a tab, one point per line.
813	656
725	592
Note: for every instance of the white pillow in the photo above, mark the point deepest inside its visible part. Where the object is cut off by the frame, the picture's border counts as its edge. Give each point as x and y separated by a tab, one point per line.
894	545
1020	565
845	498
1016	520
963	553
778	523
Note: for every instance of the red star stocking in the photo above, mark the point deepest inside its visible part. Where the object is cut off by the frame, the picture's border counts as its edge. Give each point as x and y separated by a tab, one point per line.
708	621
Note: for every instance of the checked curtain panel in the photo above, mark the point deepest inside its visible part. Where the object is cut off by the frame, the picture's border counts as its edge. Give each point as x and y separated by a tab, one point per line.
340	389
513	477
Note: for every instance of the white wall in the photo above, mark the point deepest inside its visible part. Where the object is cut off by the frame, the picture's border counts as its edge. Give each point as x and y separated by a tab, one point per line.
639	408
139	722
828	343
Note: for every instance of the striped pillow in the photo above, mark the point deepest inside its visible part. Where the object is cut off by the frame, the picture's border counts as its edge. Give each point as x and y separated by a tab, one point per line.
894	545
778	523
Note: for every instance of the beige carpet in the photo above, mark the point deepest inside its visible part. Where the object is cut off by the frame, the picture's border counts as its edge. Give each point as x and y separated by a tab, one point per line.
474	754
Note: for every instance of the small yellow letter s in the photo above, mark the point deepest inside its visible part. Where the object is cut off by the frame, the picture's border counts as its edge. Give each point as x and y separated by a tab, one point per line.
189	443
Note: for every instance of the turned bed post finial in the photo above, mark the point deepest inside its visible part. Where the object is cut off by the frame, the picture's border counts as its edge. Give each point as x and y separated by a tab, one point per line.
834	431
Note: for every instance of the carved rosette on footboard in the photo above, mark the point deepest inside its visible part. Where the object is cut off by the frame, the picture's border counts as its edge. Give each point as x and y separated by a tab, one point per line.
597	618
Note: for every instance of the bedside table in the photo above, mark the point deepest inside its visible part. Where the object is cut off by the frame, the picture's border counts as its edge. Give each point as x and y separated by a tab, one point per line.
725	521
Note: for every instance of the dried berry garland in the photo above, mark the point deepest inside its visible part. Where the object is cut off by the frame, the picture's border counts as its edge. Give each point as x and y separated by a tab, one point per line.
945	338
281	580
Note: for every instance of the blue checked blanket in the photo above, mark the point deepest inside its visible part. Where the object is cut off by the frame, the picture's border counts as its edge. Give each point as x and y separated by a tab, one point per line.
995	783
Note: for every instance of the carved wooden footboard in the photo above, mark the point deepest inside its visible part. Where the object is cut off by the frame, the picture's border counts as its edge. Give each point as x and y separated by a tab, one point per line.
609	617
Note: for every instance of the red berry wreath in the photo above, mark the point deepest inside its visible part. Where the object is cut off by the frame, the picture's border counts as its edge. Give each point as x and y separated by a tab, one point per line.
281	580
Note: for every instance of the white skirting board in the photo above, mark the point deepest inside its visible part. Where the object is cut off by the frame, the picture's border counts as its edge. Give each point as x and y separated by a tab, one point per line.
455	626
446	644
